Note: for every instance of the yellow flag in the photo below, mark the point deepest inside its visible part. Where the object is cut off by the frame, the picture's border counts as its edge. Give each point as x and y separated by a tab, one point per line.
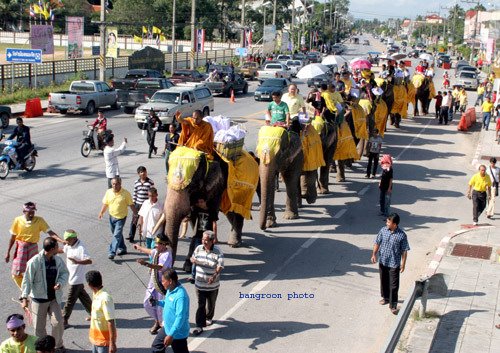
144	30
46	11
156	30
162	37
38	10
137	39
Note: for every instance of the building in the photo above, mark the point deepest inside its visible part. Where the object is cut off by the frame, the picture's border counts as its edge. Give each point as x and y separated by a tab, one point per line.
434	19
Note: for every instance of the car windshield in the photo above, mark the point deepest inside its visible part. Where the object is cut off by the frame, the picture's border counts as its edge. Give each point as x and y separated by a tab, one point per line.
273	66
272	83
82	87
148	84
165	97
468	75
468	68
292	63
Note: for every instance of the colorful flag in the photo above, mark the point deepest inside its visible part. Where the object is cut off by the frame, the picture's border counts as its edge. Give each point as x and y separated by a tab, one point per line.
51	13
37	9
32	12
156	30
137	39
162	37
46	12
144	30
200	40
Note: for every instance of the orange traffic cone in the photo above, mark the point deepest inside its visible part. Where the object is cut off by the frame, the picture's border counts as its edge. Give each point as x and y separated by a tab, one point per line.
232	96
462	125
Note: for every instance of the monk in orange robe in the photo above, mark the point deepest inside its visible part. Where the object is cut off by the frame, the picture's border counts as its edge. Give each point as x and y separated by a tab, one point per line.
196	133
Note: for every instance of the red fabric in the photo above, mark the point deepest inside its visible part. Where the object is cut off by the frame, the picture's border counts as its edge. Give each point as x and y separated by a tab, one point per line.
24	252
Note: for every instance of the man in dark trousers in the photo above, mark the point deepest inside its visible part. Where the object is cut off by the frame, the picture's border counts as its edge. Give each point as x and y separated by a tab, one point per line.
171	141
391	246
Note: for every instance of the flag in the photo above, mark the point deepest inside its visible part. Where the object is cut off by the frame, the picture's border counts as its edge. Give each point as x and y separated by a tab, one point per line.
144	30
32	12
51	13
37	9
156	30
46	12
162	37
137	39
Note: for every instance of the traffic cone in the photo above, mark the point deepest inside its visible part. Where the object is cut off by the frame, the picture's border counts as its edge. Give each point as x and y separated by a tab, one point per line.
462	125
232	96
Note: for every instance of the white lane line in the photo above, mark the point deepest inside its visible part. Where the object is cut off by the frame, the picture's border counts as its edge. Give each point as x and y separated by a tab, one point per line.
364	190
340	213
413	140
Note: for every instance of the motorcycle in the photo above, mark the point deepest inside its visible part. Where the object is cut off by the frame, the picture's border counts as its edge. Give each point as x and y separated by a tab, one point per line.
7	162
89	142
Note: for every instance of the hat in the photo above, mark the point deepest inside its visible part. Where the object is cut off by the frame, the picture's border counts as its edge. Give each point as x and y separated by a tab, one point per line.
29	206
386	159
70	234
15	321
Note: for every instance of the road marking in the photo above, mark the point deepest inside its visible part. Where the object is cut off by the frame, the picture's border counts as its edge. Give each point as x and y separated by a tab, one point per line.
364	190
340	213
413	140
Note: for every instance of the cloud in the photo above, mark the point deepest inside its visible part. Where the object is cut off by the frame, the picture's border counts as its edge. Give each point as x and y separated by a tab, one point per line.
384	9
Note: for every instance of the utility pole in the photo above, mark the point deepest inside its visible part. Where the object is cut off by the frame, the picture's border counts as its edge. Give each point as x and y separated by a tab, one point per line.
274	13
193	34
172	65
242	28
102	53
292	27
477	2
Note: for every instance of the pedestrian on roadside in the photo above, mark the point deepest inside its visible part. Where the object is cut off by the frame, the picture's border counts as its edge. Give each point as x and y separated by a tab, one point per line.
171	141
116	200
46	275
25	234
77	258
391	247
374	147
480	94
385	184
487	109
438	104
462	98
153	123
443	113
175	330
479	191
19	341
209	261
494	173
161	261
111	157
45	344
451	104
149	214
141	188
102	333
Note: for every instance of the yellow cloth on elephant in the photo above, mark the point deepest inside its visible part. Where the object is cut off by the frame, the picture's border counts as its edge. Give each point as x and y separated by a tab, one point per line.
432	90
400	104
268	143
359	119
411	92
417	80
381	113
318	123
182	164
380	81
242	179
346	148
312	149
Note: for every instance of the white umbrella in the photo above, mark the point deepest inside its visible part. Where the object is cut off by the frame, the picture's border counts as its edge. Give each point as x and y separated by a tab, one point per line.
426	56
334	60
312	70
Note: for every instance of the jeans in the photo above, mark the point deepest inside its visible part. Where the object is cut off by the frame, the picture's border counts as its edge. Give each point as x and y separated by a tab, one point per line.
178	346
385	201
486	120
443	116
76	292
100	349
389	284
206	306
372	161
117	243
450	113
133	223
479	98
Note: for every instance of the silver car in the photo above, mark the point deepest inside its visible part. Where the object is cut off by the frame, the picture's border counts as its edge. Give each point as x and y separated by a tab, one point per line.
468	79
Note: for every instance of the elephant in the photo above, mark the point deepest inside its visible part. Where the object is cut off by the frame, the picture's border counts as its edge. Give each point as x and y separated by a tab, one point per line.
329	139
288	161
422	95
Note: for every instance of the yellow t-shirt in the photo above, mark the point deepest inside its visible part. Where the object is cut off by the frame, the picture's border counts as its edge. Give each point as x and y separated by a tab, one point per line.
487	107
463	98
295	104
331	98
103	310
480	90
117	202
29	231
11	346
480	183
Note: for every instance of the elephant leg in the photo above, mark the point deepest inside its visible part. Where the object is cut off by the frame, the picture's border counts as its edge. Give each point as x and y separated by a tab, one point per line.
323	178
292	181
308	186
341	171
267	189
236	220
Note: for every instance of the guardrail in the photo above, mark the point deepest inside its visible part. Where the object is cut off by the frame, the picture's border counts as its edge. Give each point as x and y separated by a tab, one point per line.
419	291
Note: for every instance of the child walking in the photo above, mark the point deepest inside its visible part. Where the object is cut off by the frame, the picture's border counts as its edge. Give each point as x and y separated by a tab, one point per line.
374	147
385	184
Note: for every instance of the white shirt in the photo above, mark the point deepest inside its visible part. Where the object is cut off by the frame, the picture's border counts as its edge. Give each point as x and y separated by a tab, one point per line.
76	272
494	174
150	213
111	160
445	102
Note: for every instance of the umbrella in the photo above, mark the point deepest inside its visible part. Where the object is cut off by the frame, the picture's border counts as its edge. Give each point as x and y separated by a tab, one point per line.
398	56
361	64
426	56
312	70
374	53
334	60
358	59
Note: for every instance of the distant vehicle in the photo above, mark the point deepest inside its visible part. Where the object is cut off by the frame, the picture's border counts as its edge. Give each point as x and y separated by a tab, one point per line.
224	87
390	41
249	70
267	87
314	57
404	43
187	76
392	49
460	64
294	66
366	42
468	79
467	69
420	46
317	81
443	59
274	70
85	96
355	40
337	49
166	102
145	88
283	58
415	53
130	79
300	56
5	115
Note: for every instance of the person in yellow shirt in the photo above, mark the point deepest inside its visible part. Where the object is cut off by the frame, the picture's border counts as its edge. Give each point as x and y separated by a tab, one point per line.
455	101
487	109
20	341
116	201
480	94
294	101
479	191
462	97
331	98
25	233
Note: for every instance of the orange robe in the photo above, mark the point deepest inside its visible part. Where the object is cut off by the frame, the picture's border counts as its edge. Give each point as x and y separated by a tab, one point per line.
200	137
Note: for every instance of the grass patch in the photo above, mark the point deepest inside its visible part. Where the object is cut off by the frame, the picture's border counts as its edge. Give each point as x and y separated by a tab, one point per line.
429	314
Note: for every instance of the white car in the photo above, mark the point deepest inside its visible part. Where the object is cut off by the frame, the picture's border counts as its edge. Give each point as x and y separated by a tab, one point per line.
294	66
282	58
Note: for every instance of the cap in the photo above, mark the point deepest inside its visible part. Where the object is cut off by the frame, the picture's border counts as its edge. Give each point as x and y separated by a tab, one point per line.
162	239
69	234
29	206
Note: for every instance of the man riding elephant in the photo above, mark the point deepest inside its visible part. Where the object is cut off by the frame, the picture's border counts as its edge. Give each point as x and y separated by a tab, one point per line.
196	133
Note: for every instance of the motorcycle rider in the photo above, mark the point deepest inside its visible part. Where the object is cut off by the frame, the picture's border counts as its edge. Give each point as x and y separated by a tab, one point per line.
101	124
23	137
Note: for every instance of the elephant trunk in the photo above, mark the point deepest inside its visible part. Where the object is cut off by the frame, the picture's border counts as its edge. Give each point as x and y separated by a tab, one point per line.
268	174
176	208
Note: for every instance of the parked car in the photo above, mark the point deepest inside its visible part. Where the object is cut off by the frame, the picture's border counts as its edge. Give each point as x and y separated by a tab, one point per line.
468	79
5	115
130	79
300	56
274	70
85	96
294	66
249	70
317	81
314	57
185	98
187	76
145	88
337	49
443	59
282	58
267	87
465	68
224	87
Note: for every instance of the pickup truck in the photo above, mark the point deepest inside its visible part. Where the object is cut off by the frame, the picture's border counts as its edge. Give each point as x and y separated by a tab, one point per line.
84	96
130	79
225	87
185	98
145	88
274	70
249	70
187	76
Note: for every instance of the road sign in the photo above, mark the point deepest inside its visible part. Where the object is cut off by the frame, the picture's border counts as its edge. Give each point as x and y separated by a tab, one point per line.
241	51
15	55
96	50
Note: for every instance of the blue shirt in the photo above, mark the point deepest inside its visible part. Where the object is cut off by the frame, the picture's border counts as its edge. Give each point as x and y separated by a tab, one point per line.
176	313
392	246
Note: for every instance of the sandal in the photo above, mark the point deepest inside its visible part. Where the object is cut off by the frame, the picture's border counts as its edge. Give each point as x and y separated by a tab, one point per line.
197	331
383	301
154	330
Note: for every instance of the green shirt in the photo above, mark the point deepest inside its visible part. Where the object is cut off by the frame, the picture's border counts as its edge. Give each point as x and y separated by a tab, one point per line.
11	346
278	112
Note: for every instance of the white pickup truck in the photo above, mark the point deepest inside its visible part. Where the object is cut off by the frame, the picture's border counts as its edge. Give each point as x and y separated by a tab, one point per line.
274	70
84	96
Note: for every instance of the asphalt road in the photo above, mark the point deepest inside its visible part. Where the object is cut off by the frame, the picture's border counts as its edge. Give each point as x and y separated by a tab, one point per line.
324	254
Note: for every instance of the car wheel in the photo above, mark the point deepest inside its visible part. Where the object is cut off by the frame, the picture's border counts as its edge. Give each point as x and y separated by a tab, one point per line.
5	120
128	110
245	89
63	111
90	108
206	111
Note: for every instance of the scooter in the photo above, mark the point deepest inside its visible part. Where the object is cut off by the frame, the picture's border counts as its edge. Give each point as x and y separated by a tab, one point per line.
9	154
89	142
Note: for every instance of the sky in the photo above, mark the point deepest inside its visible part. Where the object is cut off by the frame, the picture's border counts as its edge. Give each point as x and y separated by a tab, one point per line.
384	9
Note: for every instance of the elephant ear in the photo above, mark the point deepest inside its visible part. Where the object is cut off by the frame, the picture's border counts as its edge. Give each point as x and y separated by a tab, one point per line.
182	163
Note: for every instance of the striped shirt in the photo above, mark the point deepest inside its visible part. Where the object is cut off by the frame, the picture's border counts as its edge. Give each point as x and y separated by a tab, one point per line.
206	265
141	190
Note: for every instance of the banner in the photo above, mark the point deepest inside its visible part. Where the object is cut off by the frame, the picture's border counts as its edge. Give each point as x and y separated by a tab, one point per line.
285	41
112	42
269	39
200	40
74	30
42	37
490	50
248	38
